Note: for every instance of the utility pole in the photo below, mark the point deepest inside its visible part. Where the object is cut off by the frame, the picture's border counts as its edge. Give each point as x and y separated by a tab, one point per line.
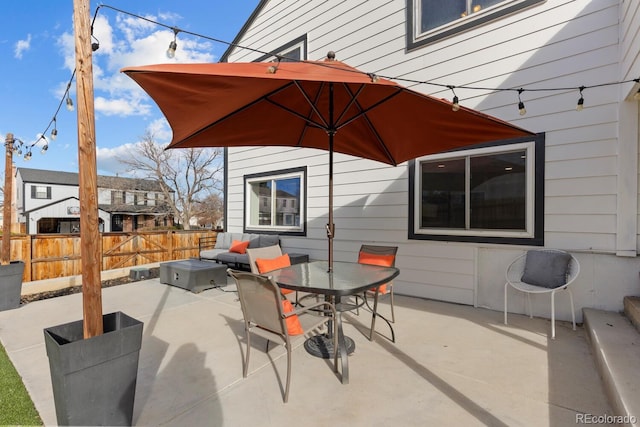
87	174
6	221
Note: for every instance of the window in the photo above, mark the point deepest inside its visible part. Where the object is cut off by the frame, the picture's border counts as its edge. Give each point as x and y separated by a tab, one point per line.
295	50
118	198
431	20
40	192
117	223
275	201
492	193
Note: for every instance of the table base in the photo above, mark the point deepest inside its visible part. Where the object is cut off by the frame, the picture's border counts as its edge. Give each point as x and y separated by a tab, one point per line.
322	346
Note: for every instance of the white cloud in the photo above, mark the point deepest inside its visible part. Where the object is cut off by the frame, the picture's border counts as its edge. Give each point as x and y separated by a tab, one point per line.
121	106
107	159
21	46
160	130
128	41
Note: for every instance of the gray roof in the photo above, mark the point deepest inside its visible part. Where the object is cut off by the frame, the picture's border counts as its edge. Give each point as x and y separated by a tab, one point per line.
41	176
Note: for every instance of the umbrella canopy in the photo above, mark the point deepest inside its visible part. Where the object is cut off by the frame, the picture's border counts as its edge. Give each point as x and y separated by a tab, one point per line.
326	105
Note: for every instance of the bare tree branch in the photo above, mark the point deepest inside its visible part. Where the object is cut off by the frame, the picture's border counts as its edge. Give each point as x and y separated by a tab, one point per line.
190	173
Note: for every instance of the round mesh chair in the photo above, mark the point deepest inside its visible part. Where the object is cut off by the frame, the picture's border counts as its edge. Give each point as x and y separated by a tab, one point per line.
543	271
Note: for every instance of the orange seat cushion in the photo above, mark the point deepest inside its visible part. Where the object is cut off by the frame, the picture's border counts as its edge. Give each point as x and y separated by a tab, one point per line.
293	323
239	246
266	265
375	259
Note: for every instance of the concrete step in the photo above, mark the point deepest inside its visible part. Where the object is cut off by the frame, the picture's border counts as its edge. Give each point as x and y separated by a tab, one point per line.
616	348
632	310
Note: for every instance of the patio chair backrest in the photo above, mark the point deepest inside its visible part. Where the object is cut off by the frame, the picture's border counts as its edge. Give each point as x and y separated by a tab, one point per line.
260	301
380	250
268	252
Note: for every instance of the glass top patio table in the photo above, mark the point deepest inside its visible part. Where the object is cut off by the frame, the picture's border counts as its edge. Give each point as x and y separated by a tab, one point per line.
346	279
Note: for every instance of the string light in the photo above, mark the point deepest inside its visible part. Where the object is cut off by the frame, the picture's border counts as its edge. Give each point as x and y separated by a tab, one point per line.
54	131
580	105
273	68
521	108
171	51
455	105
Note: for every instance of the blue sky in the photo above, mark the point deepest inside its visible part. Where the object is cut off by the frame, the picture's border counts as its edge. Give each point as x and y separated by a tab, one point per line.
37	47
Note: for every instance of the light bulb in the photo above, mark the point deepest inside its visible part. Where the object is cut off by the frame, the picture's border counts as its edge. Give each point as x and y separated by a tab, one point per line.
69	103
521	108
54	134
171	52
637	95
580	105
455	106
27	156
44	148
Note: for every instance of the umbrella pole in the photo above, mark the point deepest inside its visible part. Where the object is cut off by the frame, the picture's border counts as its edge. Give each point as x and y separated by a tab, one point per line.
330	226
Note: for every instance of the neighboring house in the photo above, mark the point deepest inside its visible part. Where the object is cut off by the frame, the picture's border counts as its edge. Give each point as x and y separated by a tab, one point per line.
47	202
574	187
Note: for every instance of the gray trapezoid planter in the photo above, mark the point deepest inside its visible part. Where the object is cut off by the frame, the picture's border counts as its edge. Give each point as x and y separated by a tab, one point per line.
11	285
94	380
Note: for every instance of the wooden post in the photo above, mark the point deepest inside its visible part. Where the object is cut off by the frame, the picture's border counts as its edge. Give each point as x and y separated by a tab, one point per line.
6	222
87	176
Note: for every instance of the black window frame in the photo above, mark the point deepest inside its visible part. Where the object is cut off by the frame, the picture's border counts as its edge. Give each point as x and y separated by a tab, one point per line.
303	201
538	196
34	192
415	40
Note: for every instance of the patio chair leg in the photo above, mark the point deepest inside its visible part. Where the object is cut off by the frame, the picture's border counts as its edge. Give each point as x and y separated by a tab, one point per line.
529	304
245	368
286	390
573	312
553	315
506	285
393	314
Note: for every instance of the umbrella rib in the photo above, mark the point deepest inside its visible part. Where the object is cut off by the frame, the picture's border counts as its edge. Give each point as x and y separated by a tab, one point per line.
313	104
363	114
239	110
354	96
295	113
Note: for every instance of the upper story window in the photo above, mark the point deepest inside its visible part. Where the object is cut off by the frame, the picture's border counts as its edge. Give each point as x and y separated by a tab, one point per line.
275	201
431	20
491	194
40	192
295	50
118	197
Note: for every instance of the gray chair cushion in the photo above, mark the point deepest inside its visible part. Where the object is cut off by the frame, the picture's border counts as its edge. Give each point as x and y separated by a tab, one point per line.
546	269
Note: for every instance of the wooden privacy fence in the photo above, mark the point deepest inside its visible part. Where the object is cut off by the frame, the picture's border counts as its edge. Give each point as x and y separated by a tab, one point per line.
47	256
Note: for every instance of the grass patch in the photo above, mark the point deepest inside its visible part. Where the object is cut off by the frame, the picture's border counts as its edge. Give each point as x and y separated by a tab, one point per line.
16	407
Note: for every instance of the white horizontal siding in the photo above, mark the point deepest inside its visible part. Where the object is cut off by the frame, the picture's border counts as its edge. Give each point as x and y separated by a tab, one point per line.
558	43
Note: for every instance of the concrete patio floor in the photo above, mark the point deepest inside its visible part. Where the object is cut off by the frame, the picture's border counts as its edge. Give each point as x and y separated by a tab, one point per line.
452	365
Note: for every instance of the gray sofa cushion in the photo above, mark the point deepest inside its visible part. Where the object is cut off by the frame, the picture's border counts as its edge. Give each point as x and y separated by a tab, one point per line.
211	253
223	243
268	240
233	258
545	268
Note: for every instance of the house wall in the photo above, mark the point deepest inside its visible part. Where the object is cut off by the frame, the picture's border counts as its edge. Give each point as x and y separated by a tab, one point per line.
59	210
591	171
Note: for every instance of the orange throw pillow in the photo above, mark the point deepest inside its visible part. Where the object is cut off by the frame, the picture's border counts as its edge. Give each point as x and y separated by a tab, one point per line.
239	247
374	259
293	323
266	265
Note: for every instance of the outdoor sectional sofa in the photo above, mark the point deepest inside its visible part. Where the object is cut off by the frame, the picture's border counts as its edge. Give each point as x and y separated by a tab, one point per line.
220	251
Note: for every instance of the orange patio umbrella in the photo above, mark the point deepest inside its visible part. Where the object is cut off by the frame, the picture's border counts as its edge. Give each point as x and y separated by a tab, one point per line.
326	105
